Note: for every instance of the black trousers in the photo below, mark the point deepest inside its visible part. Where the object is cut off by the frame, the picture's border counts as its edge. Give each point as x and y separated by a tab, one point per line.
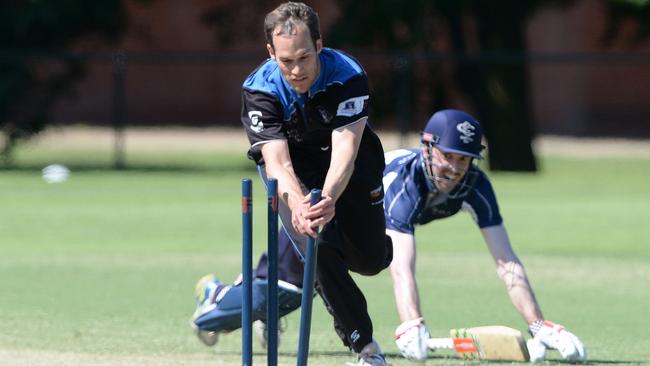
355	240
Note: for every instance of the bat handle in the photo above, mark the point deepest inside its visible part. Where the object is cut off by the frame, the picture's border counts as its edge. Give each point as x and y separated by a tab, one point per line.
438	343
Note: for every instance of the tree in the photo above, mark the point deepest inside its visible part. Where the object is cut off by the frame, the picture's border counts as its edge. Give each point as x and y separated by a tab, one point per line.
491	80
35	69
488	48
498	85
636	11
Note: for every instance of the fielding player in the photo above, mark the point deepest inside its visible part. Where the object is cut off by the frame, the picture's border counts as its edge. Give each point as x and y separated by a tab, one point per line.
432	182
305	112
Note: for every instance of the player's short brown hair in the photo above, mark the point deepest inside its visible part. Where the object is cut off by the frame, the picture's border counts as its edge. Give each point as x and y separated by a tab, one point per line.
286	15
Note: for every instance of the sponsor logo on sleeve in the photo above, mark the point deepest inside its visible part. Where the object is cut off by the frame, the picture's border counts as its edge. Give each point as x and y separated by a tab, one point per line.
377	196
256	121
467	131
352	106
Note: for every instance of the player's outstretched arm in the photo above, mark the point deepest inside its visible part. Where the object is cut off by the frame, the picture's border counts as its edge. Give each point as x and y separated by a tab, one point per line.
345	145
402	270
512	273
412	335
546	335
278	165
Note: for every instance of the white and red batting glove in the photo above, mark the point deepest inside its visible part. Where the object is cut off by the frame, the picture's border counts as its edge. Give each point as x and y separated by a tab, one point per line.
548	335
411	339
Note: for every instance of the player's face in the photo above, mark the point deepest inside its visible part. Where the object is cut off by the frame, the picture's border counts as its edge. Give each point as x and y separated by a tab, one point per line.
449	169
297	57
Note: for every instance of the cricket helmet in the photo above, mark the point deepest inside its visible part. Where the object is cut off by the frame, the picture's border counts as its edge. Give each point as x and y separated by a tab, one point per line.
454	131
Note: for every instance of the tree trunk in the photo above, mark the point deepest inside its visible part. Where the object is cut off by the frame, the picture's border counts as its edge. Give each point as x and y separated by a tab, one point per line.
496	82
6	149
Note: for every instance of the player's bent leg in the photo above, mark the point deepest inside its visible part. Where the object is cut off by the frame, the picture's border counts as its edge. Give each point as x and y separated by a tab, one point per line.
377	261
343	297
220	311
206	290
289	299
361	224
219	306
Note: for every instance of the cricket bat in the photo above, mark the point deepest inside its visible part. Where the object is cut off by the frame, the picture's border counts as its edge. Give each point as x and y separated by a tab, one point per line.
493	343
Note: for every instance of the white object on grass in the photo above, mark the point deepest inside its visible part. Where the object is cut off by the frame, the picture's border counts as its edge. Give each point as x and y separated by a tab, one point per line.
55	173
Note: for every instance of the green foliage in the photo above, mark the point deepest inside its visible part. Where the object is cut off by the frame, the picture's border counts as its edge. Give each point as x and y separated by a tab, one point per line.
35	70
468	54
493	86
635	11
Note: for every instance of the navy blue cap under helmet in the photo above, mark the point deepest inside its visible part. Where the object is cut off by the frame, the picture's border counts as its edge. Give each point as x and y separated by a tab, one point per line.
454	131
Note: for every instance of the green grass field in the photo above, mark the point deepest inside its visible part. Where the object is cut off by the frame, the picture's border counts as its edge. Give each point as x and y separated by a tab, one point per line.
100	270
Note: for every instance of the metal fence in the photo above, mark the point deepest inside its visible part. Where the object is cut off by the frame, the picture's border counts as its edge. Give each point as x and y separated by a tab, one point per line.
570	93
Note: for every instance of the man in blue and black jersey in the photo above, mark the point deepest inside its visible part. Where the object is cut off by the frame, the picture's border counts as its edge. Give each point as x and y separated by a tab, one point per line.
305	111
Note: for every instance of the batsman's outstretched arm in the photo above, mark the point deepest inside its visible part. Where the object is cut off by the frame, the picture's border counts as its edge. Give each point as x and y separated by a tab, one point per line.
412	335
547	335
512	273
402	270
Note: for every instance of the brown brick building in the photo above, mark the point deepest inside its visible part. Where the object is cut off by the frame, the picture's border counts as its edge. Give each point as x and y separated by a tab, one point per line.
177	75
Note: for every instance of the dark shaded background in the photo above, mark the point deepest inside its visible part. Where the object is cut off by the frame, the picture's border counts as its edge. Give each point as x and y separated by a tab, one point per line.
579	68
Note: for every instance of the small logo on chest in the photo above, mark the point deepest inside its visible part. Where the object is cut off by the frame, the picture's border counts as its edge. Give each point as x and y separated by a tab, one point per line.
325	115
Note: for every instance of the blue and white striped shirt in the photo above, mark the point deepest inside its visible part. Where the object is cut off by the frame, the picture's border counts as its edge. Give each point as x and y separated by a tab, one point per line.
411	198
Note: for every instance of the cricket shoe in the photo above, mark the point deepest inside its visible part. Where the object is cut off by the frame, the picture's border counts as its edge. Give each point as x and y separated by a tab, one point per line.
207	290
370	355
206	337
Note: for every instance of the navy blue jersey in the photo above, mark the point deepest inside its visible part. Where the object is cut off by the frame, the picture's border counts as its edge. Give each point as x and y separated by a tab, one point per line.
272	110
412	199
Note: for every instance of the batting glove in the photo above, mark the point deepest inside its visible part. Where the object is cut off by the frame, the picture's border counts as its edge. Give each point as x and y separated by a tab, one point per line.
411	339
555	336
536	350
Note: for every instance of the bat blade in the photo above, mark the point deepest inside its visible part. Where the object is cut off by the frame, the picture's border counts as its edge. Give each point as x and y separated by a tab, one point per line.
493	343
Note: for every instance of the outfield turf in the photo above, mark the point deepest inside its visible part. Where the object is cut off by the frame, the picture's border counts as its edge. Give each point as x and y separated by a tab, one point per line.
100	270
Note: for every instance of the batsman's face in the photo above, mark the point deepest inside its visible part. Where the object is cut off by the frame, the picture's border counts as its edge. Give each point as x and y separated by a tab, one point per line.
448	169
297	57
